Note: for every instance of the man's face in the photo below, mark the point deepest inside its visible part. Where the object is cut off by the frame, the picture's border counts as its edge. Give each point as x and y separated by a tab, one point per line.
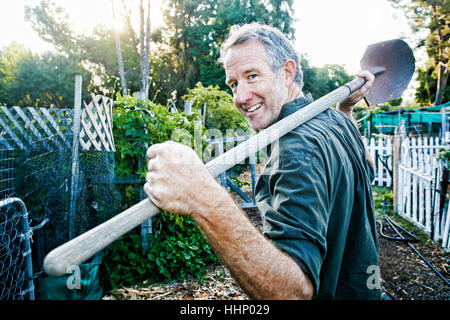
258	92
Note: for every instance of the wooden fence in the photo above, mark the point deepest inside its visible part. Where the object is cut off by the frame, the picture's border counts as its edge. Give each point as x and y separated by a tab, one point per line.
22	126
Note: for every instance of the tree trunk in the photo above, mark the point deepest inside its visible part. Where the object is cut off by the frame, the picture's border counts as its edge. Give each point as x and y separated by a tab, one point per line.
147	51
144	38
123	82
130	29
441	83
142	45
442	67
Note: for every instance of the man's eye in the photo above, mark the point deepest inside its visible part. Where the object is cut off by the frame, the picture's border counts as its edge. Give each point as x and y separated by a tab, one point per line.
252	76
233	85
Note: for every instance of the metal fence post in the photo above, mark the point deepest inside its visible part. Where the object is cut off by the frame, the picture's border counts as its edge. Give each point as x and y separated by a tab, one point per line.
75	154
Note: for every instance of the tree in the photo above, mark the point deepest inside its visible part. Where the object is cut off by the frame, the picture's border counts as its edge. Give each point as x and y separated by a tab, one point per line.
43	80
123	81
197	28
52	24
319	81
434	17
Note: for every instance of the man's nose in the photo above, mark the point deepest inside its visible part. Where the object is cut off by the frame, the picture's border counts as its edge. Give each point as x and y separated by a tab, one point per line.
243	93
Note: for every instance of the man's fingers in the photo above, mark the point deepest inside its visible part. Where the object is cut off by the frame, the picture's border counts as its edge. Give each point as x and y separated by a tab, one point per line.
147	190
150	195
369	77
153	150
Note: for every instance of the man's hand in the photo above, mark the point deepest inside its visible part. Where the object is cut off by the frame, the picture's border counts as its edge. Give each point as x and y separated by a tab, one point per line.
348	103
177	180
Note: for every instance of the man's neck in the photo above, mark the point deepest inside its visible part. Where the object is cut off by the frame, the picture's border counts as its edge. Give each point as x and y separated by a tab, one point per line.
294	93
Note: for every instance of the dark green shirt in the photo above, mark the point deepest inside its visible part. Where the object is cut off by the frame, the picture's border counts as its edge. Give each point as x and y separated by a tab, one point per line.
315	196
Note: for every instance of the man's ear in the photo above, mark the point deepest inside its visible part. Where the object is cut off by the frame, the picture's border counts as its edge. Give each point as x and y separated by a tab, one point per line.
289	69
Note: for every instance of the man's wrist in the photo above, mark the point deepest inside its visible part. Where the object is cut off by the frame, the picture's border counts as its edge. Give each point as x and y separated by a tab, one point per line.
215	198
346	109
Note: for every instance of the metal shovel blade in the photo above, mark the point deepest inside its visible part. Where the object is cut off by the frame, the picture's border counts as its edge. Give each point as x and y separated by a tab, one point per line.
396	59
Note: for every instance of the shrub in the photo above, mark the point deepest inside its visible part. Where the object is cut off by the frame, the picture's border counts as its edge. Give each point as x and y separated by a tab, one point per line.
177	247
221	113
178	250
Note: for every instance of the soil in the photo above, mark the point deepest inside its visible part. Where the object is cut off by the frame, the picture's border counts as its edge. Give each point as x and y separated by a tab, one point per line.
404	275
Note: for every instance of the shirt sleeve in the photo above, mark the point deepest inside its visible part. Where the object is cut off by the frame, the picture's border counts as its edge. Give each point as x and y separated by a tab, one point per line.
297	207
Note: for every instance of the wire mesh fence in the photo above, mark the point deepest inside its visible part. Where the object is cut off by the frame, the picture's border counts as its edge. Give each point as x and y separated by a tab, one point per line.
16	275
39	176
43	181
6	171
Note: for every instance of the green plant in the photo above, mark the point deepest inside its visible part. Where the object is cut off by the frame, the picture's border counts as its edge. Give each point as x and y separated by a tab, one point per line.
382	198
137	126
444	155
177	247
221	114
178	250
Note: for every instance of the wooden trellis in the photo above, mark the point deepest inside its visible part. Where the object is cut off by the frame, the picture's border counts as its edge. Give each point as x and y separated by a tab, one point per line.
96	125
22	126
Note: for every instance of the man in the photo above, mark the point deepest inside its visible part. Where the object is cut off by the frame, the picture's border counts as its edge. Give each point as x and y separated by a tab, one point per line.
315	196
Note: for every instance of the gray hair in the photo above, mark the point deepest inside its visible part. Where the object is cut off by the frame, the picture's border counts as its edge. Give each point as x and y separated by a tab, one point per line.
278	48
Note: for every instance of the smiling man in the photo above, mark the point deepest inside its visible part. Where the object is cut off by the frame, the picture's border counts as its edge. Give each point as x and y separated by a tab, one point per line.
319	237
259	92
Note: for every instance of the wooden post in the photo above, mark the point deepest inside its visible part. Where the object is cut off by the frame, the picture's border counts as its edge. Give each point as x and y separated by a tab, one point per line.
396	160
75	154
204	114
146	226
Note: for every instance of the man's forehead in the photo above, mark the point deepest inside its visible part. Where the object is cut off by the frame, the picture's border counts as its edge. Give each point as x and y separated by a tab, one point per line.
247	56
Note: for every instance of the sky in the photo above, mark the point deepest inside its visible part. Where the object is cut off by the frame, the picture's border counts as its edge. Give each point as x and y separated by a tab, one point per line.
327	31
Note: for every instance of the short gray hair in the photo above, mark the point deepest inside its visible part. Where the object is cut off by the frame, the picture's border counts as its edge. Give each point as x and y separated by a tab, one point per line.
278	48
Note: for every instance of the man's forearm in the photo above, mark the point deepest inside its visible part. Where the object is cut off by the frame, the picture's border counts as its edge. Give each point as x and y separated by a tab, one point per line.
260	268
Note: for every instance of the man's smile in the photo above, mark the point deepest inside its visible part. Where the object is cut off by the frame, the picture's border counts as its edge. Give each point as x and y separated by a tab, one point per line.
253	108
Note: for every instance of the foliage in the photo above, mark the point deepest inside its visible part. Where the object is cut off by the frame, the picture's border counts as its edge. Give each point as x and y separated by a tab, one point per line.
177	250
45	80
177	247
321	81
433	17
197	28
221	113
139	124
444	155
426	91
183	53
388	106
382	197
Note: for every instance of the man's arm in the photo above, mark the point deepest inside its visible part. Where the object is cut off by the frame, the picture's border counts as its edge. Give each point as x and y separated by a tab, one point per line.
261	269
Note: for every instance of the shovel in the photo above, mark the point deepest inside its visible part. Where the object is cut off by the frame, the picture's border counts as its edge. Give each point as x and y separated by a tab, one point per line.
392	63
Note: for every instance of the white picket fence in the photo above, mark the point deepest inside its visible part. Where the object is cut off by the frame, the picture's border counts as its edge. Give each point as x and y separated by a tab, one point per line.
419	175
380	151
418	189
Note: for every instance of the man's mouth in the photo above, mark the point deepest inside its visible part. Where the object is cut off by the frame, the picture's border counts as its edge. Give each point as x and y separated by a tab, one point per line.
254	108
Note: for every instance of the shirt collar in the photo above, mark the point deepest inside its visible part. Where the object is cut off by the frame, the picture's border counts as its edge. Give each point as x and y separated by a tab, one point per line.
294	105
